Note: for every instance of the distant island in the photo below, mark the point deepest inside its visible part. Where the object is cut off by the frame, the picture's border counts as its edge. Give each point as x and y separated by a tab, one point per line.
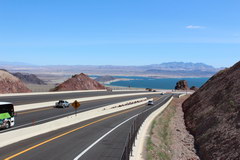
105	78
110	79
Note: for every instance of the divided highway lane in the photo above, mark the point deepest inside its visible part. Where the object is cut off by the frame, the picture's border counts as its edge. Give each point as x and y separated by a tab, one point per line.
101	138
42	115
28	99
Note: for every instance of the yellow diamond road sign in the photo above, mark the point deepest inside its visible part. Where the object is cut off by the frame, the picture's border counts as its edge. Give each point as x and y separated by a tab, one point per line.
76	104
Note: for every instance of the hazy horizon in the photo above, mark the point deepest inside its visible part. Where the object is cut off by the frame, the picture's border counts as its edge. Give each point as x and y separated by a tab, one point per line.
120	32
31	64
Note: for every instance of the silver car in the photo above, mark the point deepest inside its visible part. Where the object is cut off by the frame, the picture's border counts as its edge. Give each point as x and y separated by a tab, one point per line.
62	104
150	102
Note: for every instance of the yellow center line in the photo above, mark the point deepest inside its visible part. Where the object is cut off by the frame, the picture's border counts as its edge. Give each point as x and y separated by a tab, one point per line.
36	110
66	133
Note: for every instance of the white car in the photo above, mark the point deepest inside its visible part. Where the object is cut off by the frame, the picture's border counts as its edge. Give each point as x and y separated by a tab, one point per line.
150	102
62	104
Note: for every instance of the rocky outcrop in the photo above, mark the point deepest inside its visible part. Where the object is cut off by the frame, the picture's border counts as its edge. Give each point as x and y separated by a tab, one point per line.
212	115
105	78
79	82
11	84
194	88
182	85
29	78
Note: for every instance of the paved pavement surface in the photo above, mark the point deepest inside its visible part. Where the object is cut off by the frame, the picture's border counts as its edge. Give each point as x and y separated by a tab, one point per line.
28	99
79	140
42	115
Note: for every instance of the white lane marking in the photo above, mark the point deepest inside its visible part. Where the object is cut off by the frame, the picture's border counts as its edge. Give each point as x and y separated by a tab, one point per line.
98	140
92	145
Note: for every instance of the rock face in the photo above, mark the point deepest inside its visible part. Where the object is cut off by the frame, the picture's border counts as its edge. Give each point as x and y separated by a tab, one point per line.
79	82
29	78
11	84
105	78
182	85
194	88
212	115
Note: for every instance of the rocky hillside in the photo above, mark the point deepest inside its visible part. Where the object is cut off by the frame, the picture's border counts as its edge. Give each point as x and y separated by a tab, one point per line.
11	84
182	85
105	78
79	82
29	78
194	88
212	115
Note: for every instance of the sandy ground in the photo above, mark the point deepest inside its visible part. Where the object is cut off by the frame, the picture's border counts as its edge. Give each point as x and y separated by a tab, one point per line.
169	138
40	88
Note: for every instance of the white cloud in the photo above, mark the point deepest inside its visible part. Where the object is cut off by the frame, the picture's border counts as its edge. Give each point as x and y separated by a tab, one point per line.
195	27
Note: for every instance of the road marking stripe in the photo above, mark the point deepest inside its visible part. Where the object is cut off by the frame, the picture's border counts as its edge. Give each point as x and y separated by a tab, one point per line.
61	135
37	110
93	144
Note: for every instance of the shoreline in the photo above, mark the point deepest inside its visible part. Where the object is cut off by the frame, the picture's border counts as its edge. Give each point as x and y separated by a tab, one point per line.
117	80
154	83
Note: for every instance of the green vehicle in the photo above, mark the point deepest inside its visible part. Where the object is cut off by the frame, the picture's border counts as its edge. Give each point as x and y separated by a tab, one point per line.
7	119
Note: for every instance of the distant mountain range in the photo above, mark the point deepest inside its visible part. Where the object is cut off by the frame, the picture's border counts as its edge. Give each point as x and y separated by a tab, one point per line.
170	69
3	63
183	66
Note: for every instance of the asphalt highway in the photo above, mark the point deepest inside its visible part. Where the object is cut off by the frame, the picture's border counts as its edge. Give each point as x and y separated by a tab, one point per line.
28	99
101	138
42	115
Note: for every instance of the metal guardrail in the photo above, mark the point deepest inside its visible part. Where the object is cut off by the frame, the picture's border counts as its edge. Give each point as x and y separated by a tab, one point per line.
133	134
136	124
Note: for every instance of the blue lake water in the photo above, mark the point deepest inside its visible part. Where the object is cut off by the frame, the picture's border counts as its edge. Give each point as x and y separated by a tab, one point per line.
163	83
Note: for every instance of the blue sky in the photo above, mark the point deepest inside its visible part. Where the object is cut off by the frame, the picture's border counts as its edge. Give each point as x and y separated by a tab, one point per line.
120	32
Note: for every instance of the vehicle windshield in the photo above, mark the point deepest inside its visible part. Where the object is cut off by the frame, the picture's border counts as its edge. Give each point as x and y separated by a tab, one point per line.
7	108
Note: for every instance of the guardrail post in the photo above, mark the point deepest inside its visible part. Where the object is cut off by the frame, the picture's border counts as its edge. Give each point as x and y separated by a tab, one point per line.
129	144
135	131
33	122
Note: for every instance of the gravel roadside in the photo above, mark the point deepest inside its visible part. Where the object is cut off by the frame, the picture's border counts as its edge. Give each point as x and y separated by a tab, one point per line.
169	139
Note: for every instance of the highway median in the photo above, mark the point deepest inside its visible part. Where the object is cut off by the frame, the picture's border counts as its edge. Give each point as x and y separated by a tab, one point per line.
25	107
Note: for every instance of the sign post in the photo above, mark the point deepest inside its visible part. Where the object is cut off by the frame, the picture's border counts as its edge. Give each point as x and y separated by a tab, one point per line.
76	105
